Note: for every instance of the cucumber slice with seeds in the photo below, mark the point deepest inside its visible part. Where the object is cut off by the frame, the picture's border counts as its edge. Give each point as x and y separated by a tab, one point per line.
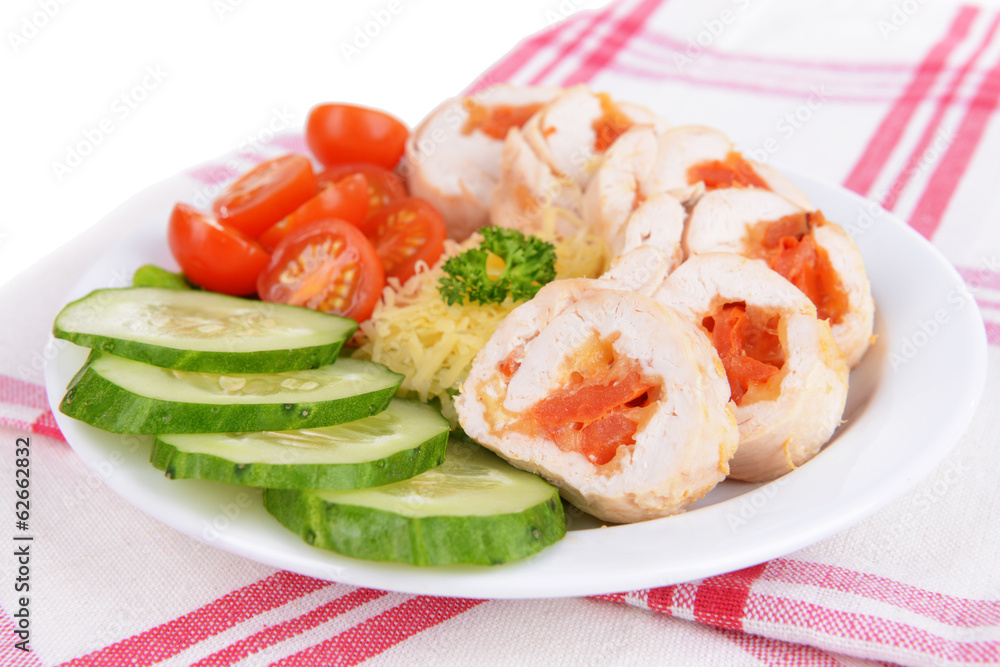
125	396
474	508
203	331
404	440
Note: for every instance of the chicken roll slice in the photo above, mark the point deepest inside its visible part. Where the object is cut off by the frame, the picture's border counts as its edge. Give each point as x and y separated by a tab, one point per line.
453	156
643	269
566	140
787	376
609	395
693	159
816	255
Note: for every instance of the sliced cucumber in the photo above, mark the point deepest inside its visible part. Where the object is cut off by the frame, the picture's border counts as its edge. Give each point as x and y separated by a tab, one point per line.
203	331
151	275
404	440
125	396
473	509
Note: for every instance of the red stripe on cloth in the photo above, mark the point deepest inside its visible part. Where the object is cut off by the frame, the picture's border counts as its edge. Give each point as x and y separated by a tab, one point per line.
46	425
296	626
19	424
839	624
213	174
916	156
775	653
979	277
944	181
10	654
661	600
892	126
984	303
942	608
293	143
381	632
613	42
592	23
992	333
719	601
798	93
513	62
19	392
567	49
169	639
661	39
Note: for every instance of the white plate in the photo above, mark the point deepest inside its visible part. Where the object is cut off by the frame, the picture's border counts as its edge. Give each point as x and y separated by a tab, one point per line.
910	401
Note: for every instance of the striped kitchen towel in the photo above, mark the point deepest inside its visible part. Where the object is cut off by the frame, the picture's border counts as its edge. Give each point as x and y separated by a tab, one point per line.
898	102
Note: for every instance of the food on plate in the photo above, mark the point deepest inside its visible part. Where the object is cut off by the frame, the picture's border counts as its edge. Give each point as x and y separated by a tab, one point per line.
266	194
453	155
643	270
124	396
201	331
472	509
405	439
609	395
691	159
415	331
344	134
406	233
384	186
212	255
634	312
551	159
520	266
816	255
787	376
328	266
346	199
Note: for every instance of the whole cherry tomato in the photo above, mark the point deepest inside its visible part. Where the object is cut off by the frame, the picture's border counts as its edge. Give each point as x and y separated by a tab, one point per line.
212	255
344	133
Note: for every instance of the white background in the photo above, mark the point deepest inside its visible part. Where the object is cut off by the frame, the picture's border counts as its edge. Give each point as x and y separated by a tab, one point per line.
224	71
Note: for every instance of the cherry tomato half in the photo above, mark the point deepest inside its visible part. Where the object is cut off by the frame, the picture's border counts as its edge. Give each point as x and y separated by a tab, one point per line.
210	254
344	133
406	232
266	194
327	266
384	187
345	200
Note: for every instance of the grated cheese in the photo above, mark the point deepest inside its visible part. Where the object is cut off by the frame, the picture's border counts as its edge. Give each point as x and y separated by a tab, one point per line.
433	344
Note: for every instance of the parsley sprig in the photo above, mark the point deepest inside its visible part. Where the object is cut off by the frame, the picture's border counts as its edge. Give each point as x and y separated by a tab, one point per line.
529	263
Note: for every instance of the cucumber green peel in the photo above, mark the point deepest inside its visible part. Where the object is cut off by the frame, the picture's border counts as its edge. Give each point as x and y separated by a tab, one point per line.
404	440
202	331
125	396
473	509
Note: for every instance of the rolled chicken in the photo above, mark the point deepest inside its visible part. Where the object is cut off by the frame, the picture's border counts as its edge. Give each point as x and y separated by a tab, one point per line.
609	395
550	161
816	255
787	377
453	156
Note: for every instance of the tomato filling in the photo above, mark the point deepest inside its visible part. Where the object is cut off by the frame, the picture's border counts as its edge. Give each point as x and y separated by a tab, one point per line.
600	409
611	124
495	121
733	172
790	249
750	350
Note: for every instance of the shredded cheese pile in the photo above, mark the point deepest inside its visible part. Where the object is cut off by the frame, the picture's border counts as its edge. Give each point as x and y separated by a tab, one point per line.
414	332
